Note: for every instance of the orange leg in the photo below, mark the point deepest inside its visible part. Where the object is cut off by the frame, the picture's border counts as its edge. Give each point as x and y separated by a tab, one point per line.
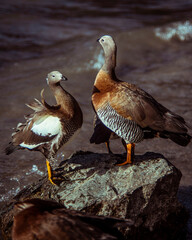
130	154
108	148
49	170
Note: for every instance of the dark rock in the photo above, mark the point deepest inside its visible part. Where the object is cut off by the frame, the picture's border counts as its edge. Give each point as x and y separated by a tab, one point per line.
144	192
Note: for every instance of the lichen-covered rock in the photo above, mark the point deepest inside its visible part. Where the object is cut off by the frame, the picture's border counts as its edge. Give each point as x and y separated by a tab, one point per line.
145	192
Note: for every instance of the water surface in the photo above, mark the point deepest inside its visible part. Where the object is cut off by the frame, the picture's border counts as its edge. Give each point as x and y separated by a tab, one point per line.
154	40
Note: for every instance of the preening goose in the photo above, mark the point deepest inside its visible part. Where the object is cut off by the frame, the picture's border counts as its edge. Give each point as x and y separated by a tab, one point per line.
49	127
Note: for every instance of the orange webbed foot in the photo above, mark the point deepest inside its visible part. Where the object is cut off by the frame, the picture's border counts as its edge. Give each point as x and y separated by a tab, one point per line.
130	154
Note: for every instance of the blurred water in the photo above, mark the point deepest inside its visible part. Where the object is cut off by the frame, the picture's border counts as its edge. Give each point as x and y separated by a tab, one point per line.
154	40
181	31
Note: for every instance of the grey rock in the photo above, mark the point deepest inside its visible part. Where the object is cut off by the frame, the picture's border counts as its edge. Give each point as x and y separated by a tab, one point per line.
144	192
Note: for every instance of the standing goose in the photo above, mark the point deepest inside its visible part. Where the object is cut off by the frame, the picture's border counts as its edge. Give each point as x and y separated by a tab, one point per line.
130	112
49	127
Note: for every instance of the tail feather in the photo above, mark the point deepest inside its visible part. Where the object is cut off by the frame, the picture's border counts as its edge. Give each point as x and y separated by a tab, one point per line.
99	137
181	139
101	133
176	129
175	123
10	148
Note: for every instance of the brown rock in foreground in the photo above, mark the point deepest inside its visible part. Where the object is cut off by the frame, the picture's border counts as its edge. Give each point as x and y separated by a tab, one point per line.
145	193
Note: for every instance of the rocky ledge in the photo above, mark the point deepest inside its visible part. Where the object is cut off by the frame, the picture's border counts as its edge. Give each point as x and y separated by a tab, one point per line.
143	196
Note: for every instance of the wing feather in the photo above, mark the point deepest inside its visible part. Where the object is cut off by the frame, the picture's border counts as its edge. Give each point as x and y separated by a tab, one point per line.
37	130
38	106
135	104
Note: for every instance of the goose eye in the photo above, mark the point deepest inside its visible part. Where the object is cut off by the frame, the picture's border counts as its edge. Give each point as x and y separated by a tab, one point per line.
53	75
102	40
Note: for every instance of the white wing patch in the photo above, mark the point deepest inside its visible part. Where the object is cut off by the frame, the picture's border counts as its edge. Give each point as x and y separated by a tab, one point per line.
30	146
48	126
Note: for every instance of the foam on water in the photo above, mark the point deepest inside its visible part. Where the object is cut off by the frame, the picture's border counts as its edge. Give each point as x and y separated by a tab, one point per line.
98	61
94	64
180	30
17	183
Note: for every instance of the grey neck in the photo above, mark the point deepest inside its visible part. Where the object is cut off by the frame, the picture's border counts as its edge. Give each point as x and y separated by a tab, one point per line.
110	61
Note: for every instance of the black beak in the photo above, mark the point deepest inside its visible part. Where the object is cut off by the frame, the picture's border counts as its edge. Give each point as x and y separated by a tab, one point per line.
98	39
64	78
